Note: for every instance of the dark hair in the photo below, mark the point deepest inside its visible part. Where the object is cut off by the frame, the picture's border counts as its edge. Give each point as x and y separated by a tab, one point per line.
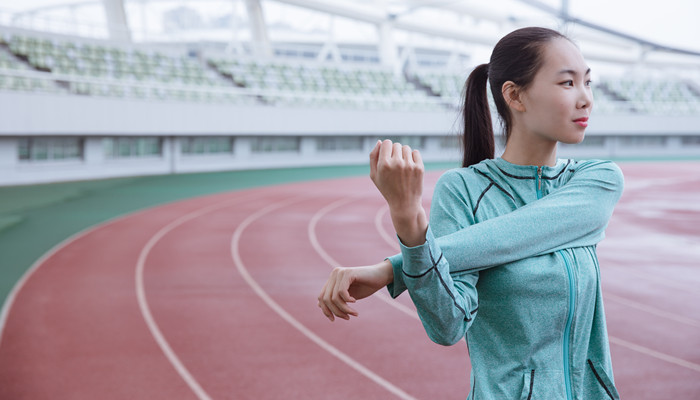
516	57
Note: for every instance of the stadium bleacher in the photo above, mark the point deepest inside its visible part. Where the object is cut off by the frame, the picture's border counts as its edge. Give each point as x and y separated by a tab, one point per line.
94	68
87	108
314	83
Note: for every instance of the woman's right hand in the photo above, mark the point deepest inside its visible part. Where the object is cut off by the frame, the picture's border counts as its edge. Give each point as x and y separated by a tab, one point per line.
347	285
397	171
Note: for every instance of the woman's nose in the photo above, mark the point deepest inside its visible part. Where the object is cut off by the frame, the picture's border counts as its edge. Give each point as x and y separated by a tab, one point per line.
586	98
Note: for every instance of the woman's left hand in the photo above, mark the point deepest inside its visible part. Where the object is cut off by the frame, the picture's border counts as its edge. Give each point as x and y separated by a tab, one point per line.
397	171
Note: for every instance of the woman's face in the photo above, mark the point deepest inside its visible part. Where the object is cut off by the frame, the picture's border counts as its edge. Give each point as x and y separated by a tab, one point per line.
559	101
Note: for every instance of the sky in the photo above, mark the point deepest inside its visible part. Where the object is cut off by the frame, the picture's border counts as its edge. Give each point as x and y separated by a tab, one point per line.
668	22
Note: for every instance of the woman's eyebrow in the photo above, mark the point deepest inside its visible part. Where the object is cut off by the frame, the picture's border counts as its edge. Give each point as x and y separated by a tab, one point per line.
573	72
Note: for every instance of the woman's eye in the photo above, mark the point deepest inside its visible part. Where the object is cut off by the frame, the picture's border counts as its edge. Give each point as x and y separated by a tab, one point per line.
589	82
568	83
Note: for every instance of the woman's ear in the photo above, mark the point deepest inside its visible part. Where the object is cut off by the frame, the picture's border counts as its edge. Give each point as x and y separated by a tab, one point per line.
511	93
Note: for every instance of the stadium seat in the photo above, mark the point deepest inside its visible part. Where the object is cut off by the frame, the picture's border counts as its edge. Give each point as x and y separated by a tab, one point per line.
101	68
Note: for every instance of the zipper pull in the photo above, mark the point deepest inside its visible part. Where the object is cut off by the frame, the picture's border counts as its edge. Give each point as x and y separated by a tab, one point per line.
539	178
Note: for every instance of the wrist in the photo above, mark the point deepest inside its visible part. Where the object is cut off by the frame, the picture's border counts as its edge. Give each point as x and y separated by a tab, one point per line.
386	270
410	225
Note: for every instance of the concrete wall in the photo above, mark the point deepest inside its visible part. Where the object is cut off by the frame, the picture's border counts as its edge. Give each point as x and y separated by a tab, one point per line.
91	118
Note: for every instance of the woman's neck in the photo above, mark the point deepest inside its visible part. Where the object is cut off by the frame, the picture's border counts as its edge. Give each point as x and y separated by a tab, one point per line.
530	151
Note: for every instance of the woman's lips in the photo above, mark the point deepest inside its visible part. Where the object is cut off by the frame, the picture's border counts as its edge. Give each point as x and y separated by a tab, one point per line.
582	121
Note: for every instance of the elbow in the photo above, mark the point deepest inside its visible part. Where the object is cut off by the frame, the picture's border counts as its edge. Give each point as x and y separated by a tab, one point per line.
446	341
447	336
613	180
618	179
448	329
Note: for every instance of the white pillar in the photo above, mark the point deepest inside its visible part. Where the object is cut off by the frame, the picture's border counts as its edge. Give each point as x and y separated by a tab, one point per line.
144	23
387	46
242	147
260	39
93	152
331	46
307	147
116	20
234	46
565	8
9	148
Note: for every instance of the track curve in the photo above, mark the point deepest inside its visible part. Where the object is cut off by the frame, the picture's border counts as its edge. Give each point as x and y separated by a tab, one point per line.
223	288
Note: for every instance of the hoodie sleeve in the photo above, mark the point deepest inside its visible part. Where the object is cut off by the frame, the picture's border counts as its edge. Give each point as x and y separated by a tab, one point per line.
573	215
446	303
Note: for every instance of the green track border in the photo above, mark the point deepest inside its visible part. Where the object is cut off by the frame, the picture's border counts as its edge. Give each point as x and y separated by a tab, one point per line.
35	218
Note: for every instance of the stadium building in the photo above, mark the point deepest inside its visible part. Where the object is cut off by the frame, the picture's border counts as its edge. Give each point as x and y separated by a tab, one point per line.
97	89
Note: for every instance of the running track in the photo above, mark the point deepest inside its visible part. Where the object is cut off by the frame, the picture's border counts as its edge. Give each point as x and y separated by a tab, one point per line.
215	298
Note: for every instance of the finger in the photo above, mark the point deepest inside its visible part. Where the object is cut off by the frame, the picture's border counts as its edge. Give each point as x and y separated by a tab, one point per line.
328	297
333	308
385	151
342	286
326	311
344	309
373	157
406	153
340	294
322	304
397	151
418	159
347	297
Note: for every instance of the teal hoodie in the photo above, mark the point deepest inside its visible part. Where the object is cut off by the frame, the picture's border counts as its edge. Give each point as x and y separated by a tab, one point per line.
510	262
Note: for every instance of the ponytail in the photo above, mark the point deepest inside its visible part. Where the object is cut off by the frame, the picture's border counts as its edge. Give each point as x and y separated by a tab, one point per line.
477	141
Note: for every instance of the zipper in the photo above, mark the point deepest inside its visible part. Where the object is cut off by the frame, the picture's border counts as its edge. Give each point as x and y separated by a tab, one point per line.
572	304
567	327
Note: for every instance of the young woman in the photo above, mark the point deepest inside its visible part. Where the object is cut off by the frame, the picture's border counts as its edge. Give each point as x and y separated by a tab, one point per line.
509	256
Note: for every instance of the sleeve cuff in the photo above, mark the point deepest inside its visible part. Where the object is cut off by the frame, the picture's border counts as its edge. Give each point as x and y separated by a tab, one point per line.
419	260
398	286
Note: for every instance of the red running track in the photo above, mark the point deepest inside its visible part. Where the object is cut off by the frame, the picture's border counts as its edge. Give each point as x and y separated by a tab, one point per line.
215	298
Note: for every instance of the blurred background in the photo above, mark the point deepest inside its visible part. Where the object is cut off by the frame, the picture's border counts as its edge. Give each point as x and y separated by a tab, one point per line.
115	88
113	106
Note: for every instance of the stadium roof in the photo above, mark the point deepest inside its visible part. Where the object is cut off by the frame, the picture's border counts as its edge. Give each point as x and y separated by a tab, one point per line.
627	28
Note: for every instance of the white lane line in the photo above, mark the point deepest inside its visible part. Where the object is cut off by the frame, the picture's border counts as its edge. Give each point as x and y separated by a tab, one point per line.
652	310
629	303
235	254
143	302
19	285
641	184
654	353
334	263
10	300
657	279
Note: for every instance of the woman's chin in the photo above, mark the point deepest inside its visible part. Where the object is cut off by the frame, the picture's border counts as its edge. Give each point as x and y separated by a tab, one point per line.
572	140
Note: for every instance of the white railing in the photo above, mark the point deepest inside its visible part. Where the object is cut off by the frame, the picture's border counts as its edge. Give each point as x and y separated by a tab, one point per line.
42	23
71	84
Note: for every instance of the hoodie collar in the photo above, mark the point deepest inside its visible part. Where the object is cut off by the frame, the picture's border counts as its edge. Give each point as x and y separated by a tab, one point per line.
530	171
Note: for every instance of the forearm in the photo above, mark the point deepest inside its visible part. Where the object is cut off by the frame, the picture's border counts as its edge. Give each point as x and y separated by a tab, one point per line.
386	271
536	229
576	215
445	303
410	224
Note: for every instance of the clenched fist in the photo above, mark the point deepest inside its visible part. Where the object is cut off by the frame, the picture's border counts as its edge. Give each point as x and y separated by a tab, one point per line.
397	171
